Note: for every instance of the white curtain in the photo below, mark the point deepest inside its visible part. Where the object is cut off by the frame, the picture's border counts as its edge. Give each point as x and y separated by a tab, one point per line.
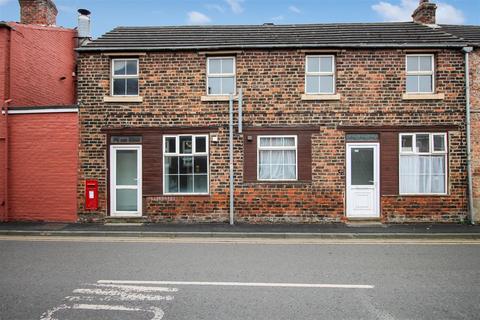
422	174
277	164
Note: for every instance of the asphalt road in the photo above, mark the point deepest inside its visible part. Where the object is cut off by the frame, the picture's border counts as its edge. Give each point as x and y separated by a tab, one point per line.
156	280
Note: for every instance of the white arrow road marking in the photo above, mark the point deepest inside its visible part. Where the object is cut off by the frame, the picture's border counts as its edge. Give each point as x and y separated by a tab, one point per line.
243	284
129	294
126	296
157	312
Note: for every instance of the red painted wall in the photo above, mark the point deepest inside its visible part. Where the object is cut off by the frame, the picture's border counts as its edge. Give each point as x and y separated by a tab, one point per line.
41	56
42	148
43	167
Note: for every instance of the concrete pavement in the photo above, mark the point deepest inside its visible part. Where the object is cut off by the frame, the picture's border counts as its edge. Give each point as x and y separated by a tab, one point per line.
272	231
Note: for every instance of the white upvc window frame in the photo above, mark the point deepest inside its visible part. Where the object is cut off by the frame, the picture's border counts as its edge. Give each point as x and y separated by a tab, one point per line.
113	77
431	152
260	148
330	73
420	73
178	154
222	75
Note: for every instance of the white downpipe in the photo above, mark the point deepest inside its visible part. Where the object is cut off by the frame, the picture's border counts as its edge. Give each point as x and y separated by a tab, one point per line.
467	50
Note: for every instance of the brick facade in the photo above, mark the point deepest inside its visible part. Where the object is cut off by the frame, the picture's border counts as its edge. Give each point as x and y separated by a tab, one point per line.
475	126
370	82
42	12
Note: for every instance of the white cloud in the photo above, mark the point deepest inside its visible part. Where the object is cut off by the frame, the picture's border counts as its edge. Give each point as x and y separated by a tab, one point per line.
216	7
195	17
2	2
392	12
235	5
449	14
278	18
446	13
294	9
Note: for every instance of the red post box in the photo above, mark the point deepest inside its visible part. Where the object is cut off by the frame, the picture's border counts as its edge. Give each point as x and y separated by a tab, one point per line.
91	194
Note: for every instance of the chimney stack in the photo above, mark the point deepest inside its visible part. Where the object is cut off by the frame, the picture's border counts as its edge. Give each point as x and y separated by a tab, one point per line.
42	12
425	12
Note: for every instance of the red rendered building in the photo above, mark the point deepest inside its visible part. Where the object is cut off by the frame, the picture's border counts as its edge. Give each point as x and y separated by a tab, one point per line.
38	124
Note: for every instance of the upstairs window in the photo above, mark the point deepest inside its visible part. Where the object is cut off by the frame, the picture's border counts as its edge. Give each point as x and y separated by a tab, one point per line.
420	73
220	75
277	158
423	163
125	77
185	164
320	74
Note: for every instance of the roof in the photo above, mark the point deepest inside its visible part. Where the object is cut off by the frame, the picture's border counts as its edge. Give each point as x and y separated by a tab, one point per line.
465	32
340	35
3	24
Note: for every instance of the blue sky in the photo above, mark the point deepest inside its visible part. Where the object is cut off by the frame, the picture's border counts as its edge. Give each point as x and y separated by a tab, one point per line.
106	14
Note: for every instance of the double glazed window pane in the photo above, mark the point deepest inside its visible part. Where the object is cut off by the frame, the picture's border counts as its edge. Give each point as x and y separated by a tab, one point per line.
126	168
277	158
319	74
362	166
419	74
423	163
419	63
221	85
125	67
186	169
419	83
221	76
220	65
319	84
319	64
125	77
422	174
186	174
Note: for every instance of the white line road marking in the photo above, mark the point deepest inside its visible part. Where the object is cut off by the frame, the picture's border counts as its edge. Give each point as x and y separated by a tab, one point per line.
137	288
233	240
243	284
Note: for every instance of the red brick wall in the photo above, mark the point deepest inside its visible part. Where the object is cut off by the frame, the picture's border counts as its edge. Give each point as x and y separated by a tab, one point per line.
4	51
43	167
475	126
41	56
370	82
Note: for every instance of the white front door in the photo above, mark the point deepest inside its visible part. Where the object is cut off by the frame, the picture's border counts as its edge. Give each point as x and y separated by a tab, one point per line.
363	185
126	180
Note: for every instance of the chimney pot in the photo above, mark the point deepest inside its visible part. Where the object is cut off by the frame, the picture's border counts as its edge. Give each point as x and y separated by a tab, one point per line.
84	26
42	12
425	12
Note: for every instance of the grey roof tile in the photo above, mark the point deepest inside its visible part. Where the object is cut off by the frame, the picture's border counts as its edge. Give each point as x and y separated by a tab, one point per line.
467	32
395	34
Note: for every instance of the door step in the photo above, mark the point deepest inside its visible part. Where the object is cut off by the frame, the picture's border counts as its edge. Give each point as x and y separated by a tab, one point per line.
124	221
364	223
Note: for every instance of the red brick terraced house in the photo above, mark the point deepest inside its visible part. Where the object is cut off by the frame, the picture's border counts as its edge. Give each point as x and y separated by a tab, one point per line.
39	120
472	34
340	122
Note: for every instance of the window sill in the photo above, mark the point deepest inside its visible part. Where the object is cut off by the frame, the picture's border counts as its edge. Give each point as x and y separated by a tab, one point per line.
122	99
423	96
217	98
323	97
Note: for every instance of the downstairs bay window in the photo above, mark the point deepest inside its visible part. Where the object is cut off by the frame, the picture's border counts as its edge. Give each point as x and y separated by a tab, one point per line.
185	166
423	163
